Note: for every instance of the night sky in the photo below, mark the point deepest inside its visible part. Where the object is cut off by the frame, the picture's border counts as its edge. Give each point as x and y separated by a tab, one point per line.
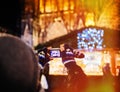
10	14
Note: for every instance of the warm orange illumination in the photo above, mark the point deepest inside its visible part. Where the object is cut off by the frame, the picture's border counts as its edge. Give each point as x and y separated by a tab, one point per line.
90	19
92	64
76	14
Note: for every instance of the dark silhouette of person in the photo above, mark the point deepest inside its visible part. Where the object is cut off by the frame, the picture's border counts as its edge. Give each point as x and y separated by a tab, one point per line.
108	78
107	75
19	71
44	59
77	79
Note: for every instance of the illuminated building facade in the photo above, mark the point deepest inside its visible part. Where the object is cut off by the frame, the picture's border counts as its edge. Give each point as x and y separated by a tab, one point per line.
70	15
53	18
56	16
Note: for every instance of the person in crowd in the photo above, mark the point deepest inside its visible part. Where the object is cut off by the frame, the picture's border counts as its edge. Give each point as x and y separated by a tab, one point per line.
107	75
44	58
108	78
77	79
19	71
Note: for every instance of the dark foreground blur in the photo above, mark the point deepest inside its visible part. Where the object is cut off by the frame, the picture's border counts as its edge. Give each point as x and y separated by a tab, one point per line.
96	84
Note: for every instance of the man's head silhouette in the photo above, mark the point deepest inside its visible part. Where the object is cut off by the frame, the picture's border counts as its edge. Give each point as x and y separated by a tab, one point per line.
18	66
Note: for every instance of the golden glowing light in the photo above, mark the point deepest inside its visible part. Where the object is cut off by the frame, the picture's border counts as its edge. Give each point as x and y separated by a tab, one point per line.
77	14
92	64
90	19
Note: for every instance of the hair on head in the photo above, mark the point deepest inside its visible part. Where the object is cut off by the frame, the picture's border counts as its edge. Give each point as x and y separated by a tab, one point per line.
18	65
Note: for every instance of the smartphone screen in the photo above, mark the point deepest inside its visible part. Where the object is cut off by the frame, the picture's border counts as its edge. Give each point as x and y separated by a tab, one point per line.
55	53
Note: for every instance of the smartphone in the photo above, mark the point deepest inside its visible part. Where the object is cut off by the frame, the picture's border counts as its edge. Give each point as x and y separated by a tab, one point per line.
55	53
